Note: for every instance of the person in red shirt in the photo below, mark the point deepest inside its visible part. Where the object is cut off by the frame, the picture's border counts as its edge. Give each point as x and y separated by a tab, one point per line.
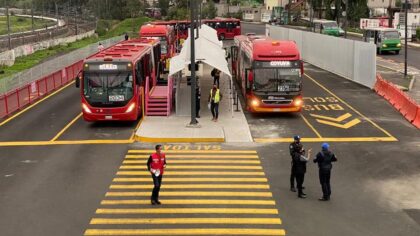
156	164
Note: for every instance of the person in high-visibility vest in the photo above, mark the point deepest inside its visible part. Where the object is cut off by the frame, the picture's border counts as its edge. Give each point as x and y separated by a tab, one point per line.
214	98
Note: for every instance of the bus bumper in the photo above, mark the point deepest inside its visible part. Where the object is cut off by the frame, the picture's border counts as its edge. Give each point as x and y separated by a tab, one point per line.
109	114
256	109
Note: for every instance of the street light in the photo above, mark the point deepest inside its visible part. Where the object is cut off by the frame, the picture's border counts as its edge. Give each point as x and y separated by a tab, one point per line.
406	36
193	121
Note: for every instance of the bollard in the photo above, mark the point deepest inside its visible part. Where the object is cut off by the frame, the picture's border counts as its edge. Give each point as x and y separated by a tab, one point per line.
237	102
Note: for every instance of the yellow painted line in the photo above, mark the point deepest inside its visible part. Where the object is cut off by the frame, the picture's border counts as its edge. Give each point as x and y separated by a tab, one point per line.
194	186
192	179
310	126
137	127
64	142
200	231
341	126
178	140
325	139
187	211
338	119
199	162
197	167
192	202
67	126
196	173
34	104
149	151
353	109
110	221
196	156
191	193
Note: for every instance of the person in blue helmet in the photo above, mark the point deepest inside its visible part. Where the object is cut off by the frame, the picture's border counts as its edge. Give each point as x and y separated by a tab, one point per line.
324	159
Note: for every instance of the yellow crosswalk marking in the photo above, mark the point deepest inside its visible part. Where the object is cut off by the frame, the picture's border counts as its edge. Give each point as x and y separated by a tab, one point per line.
269	211
192	179
198	162
195	173
196	156
267	221
196	167
192	186
191	202
196	151
191	193
201	231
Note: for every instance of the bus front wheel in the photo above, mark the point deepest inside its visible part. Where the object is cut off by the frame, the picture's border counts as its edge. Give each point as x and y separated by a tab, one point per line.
222	37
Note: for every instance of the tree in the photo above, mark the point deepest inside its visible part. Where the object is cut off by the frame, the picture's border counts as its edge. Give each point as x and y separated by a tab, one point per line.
209	11
164	6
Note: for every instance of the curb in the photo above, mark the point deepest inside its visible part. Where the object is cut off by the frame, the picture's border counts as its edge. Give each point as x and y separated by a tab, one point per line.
177	140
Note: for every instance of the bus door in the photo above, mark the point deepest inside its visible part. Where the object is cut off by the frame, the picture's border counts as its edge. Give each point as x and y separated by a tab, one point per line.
230	28
234	59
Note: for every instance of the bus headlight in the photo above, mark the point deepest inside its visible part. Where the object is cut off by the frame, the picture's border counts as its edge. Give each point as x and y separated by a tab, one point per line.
399	45
298	102
255	102
384	45
130	108
86	108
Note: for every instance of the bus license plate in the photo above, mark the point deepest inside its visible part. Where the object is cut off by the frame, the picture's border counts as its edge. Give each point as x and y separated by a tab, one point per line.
116	98
276	109
108	117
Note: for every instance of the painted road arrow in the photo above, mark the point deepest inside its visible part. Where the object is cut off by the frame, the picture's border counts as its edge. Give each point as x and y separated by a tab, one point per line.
326	120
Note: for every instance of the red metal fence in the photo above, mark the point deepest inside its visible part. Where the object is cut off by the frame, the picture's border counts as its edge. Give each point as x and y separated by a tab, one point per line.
16	99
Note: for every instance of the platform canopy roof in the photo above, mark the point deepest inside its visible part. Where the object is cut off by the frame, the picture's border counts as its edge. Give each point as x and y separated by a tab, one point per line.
208	49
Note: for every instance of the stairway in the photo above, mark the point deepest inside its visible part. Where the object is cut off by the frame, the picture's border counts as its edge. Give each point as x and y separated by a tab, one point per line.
158	101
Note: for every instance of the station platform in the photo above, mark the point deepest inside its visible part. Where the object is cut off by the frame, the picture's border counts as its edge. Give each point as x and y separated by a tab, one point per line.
231	126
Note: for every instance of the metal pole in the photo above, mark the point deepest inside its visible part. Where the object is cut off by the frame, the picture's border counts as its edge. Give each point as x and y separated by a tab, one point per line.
406	36
345	18
8	26
193	78
32	15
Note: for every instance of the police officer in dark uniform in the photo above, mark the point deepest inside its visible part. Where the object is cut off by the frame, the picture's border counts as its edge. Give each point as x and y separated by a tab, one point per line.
300	169
324	160
295	148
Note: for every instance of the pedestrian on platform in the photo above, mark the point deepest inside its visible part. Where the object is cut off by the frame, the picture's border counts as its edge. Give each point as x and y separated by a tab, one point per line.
100	47
156	164
300	170
295	148
197	101
215	97
215	73
324	159
126	36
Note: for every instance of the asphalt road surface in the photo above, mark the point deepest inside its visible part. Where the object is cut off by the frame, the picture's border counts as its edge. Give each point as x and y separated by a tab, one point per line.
413	56
63	176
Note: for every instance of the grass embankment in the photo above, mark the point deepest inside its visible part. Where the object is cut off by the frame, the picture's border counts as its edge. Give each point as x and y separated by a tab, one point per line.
21	24
106	29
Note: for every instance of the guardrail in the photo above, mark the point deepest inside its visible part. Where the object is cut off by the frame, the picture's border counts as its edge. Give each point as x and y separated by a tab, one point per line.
403	103
27	94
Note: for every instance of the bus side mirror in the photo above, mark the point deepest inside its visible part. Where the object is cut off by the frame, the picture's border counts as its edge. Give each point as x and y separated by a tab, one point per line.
248	79
77	82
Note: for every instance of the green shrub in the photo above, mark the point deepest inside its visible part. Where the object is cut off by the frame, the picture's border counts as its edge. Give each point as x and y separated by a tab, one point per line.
418	33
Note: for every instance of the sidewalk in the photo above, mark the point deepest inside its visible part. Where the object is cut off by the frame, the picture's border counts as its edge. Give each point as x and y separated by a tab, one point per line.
231	127
392	72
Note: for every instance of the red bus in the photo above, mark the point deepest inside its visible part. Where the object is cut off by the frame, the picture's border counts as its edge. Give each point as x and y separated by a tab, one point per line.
166	35
269	72
112	81
227	28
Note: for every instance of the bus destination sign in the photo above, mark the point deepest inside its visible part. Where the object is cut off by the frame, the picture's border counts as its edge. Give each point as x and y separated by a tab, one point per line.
280	63
108	67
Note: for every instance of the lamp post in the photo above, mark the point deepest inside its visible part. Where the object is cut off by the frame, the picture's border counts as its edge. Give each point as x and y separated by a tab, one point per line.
193	121
406	36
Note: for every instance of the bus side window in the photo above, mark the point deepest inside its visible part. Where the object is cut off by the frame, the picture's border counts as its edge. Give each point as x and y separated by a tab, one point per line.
139	73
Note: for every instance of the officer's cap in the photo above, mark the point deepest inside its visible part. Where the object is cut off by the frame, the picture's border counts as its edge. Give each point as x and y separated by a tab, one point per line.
296	137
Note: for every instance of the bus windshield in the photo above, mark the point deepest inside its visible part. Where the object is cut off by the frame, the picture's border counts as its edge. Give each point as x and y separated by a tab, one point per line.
163	44
391	35
330	25
108	89
277	80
